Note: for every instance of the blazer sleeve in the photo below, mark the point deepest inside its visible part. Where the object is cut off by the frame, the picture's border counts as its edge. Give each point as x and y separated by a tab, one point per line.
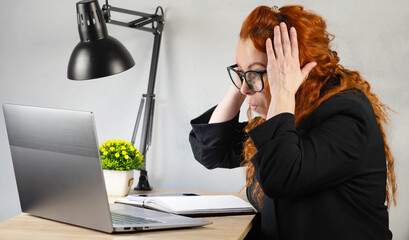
217	145
330	152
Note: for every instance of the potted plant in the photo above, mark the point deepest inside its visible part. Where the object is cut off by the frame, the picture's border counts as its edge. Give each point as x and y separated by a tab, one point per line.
119	159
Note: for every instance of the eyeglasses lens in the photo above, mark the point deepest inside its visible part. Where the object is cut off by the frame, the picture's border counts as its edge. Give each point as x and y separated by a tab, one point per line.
254	81
235	78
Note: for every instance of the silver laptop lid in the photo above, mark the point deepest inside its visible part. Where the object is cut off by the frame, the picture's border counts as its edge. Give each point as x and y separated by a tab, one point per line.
49	146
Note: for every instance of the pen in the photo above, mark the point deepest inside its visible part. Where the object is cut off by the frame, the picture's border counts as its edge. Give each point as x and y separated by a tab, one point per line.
163	194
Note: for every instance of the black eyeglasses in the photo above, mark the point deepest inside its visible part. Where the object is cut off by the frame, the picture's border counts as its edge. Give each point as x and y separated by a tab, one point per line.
254	79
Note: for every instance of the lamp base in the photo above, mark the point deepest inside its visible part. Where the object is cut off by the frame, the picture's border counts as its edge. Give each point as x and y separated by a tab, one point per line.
143	184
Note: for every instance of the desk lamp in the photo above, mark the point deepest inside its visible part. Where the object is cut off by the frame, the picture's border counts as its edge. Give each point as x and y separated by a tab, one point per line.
99	55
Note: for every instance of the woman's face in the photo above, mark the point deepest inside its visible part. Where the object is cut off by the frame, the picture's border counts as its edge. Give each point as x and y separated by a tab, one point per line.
249	58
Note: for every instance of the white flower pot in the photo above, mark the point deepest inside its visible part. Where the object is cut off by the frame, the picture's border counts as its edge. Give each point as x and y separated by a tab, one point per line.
118	183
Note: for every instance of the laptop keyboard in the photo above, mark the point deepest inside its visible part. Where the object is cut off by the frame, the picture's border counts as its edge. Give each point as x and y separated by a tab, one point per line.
124	219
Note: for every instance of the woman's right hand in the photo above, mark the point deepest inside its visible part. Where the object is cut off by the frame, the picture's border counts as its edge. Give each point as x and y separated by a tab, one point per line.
229	106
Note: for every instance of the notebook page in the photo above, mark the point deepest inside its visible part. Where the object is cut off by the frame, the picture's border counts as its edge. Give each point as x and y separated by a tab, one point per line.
198	203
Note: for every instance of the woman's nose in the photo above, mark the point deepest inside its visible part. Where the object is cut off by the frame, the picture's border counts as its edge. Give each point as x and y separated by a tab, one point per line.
245	89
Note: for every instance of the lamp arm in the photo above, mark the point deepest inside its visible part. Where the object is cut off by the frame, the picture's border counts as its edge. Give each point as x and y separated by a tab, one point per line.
140	23
148	100
148	114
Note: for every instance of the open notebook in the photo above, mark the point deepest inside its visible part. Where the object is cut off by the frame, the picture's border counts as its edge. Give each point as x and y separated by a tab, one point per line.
192	205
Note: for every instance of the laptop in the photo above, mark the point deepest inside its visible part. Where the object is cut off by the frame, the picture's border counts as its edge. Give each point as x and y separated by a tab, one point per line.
59	175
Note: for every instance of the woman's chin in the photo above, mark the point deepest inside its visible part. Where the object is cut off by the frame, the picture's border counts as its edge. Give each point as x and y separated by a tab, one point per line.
259	114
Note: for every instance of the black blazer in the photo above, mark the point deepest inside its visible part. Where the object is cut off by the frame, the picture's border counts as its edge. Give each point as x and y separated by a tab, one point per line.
325	179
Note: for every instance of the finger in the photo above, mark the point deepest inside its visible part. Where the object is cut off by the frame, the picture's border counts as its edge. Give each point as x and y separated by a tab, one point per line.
285	39
307	69
278	49
270	51
294	42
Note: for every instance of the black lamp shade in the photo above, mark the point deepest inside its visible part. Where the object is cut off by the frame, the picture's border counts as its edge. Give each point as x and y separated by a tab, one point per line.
97	54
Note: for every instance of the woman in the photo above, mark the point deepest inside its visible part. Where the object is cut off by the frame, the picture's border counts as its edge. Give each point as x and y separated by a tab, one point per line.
318	166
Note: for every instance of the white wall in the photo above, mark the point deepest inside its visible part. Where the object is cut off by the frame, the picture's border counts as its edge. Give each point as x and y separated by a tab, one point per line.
199	41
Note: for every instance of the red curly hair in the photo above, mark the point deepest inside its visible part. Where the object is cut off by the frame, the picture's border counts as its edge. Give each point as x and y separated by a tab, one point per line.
327	79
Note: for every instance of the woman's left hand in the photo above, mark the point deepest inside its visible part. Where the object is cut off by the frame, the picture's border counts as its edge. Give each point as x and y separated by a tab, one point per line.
283	69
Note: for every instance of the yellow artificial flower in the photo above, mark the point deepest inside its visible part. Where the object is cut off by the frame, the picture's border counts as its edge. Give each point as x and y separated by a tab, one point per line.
112	148
124	152
105	153
123	148
117	155
126	156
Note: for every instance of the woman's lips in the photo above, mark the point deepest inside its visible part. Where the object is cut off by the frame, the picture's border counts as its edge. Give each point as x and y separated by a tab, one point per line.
253	107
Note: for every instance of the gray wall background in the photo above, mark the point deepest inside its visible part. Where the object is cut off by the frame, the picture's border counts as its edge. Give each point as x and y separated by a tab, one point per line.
199	41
